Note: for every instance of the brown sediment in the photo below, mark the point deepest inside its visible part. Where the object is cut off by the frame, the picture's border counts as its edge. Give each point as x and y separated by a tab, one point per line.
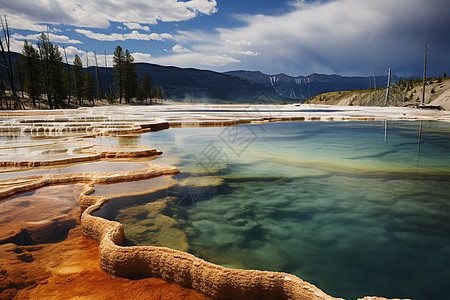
32	269
54	271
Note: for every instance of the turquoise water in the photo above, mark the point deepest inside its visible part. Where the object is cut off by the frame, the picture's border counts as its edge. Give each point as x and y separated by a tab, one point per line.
356	208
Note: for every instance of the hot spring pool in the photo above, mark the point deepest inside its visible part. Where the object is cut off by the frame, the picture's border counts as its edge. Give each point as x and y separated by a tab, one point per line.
356	208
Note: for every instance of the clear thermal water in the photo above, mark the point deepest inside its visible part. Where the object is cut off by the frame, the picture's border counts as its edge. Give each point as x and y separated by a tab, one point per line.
356	208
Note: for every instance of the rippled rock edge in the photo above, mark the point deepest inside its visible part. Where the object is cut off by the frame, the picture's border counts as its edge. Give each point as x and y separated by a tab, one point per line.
171	265
183	268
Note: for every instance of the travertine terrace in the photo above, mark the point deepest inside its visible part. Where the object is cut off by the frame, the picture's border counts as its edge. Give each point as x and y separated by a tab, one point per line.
118	120
57	138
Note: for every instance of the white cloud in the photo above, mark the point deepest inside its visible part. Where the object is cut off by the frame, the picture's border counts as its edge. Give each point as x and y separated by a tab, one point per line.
16	45
338	36
99	13
71	51
53	38
132	25
194	60
134	35
180	49
333	36
239	43
20	21
245	52
141	57
218	60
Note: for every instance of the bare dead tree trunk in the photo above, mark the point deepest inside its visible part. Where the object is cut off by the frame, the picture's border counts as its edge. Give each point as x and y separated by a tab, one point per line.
70	79
424	72
107	77
387	89
7	61
87	72
374	82
97	75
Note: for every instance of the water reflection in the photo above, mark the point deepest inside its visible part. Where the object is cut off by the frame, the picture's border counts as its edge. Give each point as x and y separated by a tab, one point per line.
346	206
356	208
129	140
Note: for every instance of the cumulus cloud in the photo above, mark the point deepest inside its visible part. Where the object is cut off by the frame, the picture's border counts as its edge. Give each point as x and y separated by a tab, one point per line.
217	60
53	38
180	49
132	25
89	57
141	57
99	13
245	52
134	35
16	45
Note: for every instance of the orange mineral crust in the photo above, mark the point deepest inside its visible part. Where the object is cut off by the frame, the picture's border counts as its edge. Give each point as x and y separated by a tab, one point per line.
70	269
44	255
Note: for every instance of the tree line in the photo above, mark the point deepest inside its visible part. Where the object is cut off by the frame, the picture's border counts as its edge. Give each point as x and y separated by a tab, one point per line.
42	74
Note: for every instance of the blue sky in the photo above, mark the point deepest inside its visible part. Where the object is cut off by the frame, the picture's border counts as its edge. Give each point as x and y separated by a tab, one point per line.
288	36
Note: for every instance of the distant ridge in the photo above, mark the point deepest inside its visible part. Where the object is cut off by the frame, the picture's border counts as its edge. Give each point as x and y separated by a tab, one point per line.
304	87
195	85
190	85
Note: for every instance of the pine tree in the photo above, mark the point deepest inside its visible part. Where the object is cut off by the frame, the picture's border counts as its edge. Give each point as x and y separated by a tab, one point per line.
140	94
3	93
78	79
89	87
19	70
118	66
2	88
47	57
159	93
153	93
130	77
111	97
146	86
33	82
58	77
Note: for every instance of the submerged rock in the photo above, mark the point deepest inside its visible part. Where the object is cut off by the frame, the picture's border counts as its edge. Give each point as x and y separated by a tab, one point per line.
149	225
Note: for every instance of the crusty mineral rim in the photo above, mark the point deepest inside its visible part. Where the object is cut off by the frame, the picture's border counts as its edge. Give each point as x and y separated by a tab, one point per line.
182	268
171	265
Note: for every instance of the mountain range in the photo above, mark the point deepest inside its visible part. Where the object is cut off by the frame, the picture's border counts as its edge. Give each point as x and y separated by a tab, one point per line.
194	85
304	87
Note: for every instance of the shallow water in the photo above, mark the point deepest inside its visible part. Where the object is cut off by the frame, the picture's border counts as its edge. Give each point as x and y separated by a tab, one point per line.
356	208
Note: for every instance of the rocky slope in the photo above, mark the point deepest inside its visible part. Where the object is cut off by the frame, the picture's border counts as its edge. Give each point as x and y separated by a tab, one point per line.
436	94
